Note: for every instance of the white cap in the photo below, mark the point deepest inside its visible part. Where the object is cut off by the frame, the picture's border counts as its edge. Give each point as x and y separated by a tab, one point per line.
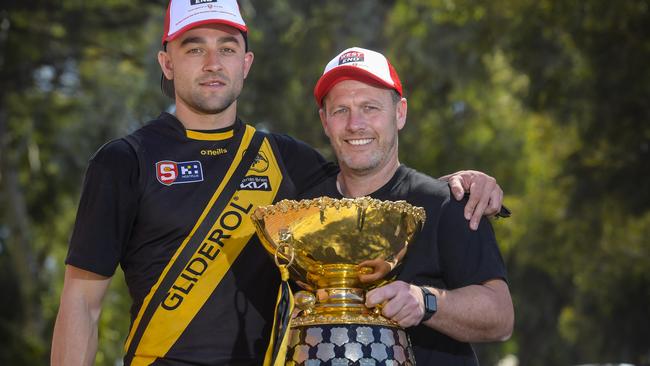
357	64
186	14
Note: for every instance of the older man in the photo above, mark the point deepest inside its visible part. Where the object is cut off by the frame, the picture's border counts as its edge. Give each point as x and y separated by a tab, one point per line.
451	289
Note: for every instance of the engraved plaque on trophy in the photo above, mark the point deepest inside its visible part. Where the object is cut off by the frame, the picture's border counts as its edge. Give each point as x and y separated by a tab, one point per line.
328	244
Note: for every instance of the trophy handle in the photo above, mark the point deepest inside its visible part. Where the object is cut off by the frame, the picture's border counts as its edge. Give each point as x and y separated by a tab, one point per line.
282	250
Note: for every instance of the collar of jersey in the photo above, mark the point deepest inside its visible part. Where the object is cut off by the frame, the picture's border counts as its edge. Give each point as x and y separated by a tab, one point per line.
209	136
214	135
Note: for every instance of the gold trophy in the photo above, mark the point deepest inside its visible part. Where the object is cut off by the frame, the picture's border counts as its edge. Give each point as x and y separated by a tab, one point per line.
327	244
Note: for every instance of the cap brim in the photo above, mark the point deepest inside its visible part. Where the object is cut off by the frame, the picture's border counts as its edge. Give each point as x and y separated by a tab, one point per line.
176	34
341	73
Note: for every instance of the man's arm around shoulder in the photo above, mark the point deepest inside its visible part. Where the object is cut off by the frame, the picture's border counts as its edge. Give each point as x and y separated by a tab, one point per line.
75	332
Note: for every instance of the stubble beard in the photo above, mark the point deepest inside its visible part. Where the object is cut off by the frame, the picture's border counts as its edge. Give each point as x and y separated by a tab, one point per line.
212	104
361	166
369	163
206	102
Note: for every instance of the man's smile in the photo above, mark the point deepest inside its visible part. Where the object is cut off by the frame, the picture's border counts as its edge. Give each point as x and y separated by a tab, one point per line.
359	142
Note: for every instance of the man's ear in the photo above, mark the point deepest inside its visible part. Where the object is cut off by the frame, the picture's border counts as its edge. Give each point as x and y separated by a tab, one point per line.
323	120
166	64
400	113
248	62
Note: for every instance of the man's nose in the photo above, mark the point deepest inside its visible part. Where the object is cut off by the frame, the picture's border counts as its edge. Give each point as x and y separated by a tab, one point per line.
212	61
357	121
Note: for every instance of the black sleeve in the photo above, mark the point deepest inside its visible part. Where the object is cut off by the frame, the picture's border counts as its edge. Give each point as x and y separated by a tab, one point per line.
306	166
467	257
107	209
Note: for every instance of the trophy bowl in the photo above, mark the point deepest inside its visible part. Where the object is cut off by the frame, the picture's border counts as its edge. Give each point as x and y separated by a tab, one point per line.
330	245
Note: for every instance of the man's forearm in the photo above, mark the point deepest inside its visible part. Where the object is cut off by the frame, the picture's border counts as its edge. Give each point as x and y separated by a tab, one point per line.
476	313
75	337
74	342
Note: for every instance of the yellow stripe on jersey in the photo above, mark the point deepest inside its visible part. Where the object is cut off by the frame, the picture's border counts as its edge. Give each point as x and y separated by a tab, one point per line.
207	136
212	260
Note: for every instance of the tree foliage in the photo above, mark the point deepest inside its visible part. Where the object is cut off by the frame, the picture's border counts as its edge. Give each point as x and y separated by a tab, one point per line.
548	96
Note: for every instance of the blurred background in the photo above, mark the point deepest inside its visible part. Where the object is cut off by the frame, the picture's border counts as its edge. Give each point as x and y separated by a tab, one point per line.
551	97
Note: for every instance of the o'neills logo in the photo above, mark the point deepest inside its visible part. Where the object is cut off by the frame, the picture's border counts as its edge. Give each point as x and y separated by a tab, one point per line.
199	2
209	250
351	56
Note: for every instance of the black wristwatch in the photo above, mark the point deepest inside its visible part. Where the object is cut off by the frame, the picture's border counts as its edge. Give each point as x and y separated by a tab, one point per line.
430	304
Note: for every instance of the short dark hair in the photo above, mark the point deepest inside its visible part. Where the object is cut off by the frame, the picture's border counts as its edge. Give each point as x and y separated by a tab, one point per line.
167	86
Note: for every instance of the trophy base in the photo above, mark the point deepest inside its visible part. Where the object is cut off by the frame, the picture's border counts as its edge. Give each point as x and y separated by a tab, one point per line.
349	344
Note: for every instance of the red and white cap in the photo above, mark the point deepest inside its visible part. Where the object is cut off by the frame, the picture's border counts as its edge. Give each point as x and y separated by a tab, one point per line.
357	64
183	15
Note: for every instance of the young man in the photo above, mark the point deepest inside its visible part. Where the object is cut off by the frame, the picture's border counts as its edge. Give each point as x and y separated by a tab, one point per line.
170	204
451	288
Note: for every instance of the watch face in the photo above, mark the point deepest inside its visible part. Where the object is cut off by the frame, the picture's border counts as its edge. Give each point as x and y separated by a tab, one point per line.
430	303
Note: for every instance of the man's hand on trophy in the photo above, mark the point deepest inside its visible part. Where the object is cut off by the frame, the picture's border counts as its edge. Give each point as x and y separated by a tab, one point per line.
374	269
485	195
400	302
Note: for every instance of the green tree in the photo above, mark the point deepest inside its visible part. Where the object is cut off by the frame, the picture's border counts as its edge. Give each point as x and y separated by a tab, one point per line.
548	96
65	68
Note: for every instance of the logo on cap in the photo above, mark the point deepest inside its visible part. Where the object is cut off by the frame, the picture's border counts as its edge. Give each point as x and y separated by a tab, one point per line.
183	15
352	56
198	2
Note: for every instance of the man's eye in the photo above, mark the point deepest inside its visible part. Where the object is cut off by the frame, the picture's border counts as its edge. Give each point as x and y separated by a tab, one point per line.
370	108
339	111
227	50
195	51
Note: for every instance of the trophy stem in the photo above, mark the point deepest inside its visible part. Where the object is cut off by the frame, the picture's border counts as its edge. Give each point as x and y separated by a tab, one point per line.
335	276
337	300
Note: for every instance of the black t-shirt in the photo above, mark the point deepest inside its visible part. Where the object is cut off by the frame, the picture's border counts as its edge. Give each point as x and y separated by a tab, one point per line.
136	212
446	254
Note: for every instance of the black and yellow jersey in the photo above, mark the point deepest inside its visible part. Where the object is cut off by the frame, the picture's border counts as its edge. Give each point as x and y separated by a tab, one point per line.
143	195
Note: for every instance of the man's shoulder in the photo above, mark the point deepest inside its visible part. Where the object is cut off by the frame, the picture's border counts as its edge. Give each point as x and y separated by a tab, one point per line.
285	141
127	147
113	151
437	190
165	124
423	184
